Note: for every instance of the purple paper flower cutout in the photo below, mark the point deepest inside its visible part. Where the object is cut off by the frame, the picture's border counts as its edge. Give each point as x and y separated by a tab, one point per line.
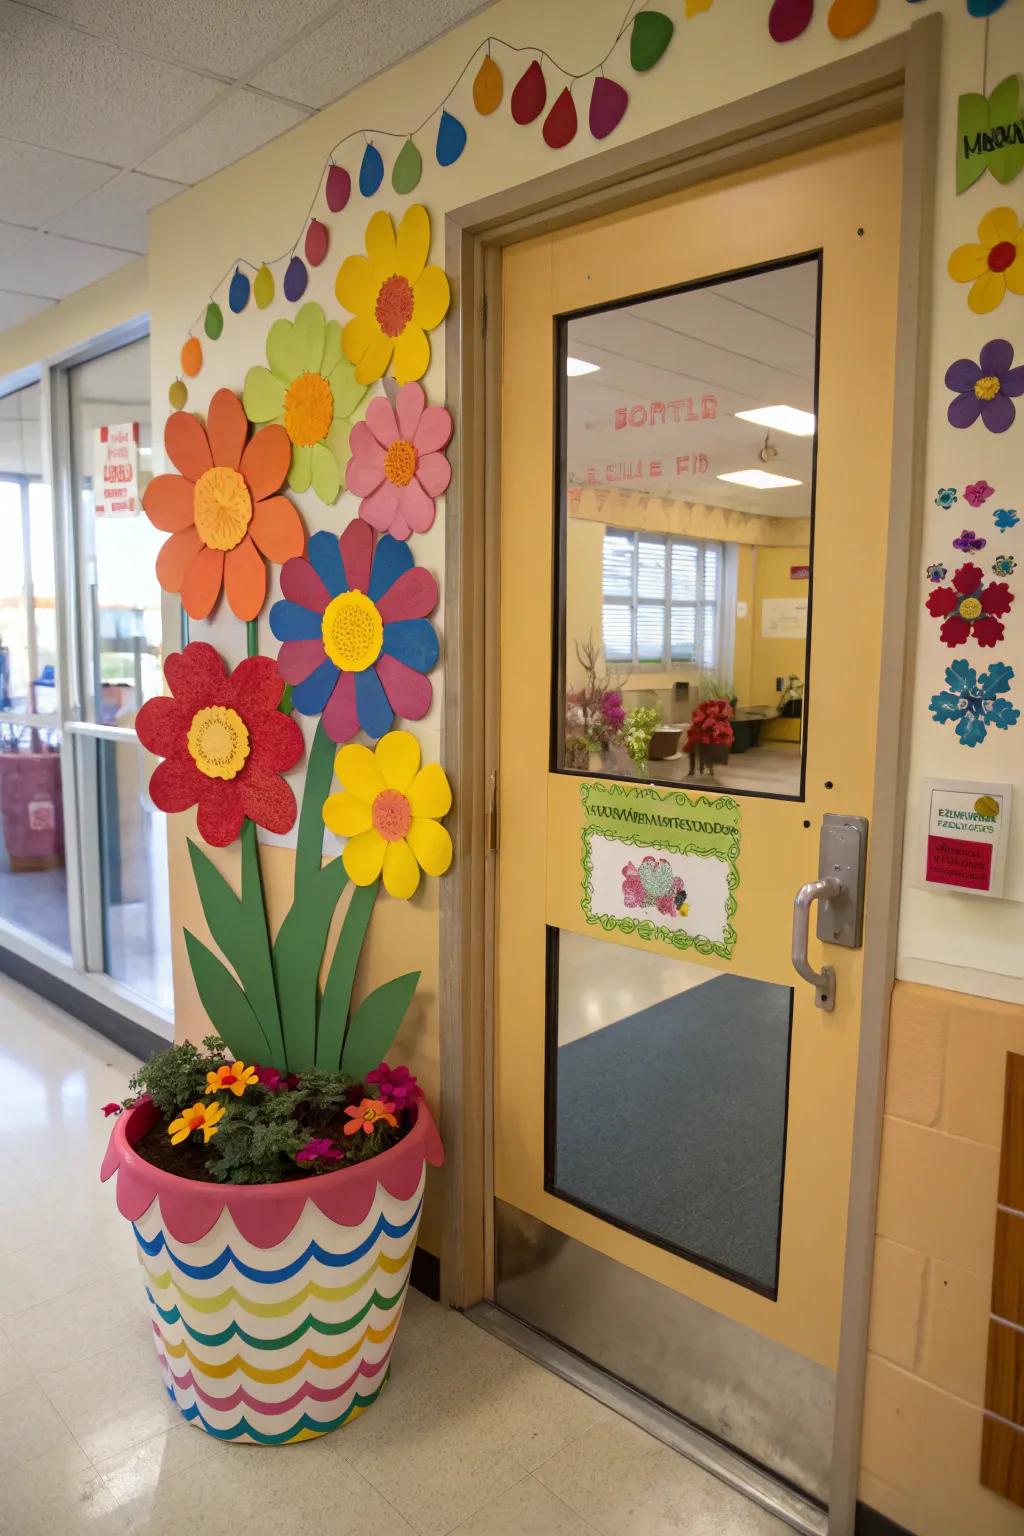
985	388
396	1084
978	492
969	541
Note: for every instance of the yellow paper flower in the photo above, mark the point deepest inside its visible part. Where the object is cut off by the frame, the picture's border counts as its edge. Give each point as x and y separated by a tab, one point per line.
994	265
395	298
389	811
201	1117
234	1077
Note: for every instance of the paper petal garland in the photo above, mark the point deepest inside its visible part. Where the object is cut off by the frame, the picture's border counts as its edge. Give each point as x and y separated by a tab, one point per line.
263	287
529	95
488	87
848	17
338	189
295	279
451	139
560	124
395	297
191	357
316	243
970	608
398	465
608	103
177	395
975	701
371	170
652	33
213	323
986	388
787	19
407	169
238	292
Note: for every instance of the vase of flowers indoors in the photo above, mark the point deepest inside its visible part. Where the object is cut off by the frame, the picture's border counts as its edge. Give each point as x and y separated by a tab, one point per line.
710	735
640	725
594	714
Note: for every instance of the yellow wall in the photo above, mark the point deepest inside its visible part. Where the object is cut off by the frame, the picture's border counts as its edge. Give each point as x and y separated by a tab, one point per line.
76	320
769	657
743	645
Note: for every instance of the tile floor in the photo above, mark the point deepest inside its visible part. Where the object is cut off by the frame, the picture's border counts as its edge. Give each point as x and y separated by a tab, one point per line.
470	1437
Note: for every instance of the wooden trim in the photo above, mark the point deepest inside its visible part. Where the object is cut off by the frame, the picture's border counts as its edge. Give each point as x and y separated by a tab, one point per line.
1002	1441
1002	1459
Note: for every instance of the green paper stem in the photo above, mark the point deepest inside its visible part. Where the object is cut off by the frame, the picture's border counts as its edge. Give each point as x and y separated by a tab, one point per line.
337	998
309	848
252	637
375	1024
298	952
226	1004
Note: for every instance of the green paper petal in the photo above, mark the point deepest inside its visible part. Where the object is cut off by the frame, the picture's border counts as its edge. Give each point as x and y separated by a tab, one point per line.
300	475
408	168
326	474
332	348
652	33
263	395
337	439
309	333
284	351
347	391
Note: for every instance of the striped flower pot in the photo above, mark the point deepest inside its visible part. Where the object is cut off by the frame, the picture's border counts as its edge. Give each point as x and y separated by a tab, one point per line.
274	1307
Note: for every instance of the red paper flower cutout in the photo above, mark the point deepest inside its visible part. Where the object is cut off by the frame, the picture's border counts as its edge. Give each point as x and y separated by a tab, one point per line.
970	607
224	741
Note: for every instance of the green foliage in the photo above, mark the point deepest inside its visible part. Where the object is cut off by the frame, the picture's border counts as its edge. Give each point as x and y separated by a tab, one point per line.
641	724
257	1139
714	687
176	1077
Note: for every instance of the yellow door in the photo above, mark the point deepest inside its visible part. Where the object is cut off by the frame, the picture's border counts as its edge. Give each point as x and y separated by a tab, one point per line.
696	425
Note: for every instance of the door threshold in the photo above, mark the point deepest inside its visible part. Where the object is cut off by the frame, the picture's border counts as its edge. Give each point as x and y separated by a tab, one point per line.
703	1450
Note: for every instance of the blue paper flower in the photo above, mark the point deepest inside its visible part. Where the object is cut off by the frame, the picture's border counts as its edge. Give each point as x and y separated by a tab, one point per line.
936	573
1005	518
974	701
946	497
1004	565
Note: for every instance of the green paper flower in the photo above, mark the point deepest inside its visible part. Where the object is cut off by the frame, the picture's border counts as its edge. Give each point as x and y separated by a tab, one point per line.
311	389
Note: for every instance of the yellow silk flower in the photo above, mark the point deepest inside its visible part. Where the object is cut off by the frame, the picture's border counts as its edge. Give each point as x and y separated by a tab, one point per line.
389	811
394	296
994	265
201	1117
233	1077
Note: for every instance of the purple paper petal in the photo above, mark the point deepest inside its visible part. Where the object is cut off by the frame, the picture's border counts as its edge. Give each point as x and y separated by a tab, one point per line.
963	411
996	357
998	414
962	375
1013	382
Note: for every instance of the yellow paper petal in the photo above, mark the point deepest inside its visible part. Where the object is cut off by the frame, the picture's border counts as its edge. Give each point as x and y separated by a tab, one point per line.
401	872
398	757
346	815
358	337
363	856
968	262
359	771
431	296
1014	274
987	292
373	363
380	245
355	286
997	225
431	844
412	355
430	793
413	243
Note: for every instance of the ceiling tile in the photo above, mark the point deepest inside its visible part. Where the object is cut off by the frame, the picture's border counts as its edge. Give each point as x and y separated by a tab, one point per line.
50	267
116	215
36	184
16	307
61	88
235	34
237	125
361	40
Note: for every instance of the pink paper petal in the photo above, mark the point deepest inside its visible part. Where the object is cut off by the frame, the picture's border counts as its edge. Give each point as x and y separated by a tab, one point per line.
409	407
298	658
361	477
357	554
435	429
341	722
364	446
399	527
417	507
409	693
413	596
301	584
380	506
380	419
434	473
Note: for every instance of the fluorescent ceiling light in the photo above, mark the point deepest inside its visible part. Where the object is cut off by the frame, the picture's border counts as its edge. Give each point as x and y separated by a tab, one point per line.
759	479
784	418
574	366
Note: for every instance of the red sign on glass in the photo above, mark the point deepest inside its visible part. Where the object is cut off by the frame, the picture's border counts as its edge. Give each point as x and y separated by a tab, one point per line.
659	412
799	573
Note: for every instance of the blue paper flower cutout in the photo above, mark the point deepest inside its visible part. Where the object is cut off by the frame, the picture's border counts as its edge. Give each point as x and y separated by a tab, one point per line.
936	573
1004	565
1004	518
946	497
974	701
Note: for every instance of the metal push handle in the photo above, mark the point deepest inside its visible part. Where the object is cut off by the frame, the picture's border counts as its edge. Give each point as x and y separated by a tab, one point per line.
829	888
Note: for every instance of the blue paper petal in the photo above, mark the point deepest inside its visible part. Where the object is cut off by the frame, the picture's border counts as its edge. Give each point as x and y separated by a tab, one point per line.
451	139
375	713
310	696
996	680
961	675
325	558
981	8
371	171
238	292
289	621
295	279
972	730
413	641
1002	714
945	706
390	559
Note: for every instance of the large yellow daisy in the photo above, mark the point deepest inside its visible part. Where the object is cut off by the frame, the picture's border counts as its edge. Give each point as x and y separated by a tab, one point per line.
389	811
994	265
395	298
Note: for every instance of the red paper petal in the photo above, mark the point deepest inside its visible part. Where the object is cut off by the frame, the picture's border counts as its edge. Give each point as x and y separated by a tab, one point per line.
317	240
608	103
968	578
988	632
530	94
788	18
339	188
197	676
176	785
301	584
255	686
221	812
267	800
297	659
954	631
560	124
997	598
277	743
408	692
340	718
412	596
942	601
357	554
162	725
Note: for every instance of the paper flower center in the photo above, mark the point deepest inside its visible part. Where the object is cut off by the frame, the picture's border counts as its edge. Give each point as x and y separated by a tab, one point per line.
987	387
394	305
308	409
222	507
392	815
196	1122
218	742
1002	256
970	609
400	461
353	632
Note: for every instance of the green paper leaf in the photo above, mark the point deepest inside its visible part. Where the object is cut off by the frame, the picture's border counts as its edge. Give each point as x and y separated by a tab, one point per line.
652	33
408	168
995	121
337	996
226	1004
214	323
309	846
375	1024
297	955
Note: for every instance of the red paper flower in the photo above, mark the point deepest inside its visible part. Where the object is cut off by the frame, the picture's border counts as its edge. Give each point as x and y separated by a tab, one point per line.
709	724
112	1109
224	741
970	607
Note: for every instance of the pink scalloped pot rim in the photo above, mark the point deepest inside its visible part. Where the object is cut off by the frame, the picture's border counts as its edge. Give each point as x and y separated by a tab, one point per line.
263	1213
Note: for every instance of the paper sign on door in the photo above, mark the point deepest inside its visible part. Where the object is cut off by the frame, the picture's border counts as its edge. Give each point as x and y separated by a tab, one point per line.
965	836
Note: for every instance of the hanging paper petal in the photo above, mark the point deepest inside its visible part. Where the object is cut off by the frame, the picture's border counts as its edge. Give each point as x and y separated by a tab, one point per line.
191	357
177	395
295	279
487	87
560	123
652	33
214	322
238	292
608	103
984	7
371	171
788	18
530	94
339	188
408	168
263	287
848	17
316	242
451	139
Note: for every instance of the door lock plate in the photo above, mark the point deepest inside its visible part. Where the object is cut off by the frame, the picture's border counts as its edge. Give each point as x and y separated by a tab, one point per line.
842	852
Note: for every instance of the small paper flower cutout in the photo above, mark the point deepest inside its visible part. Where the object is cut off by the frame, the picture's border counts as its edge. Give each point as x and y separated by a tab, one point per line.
978	492
1004	565
395	297
318	1147
974	700
390	811
311	391
201	1117
397	464
969	542
946	498
233	1077
112	1109
1005	518
970	608
936	573
986	388
368	1115
396	1084
995	264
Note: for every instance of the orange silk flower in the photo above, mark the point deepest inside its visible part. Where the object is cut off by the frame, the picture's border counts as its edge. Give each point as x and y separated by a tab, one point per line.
221	509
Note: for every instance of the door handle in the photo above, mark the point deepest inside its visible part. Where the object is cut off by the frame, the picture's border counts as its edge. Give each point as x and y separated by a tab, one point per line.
828	889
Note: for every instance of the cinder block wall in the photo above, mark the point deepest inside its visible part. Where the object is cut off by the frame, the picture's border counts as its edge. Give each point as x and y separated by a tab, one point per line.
933	1263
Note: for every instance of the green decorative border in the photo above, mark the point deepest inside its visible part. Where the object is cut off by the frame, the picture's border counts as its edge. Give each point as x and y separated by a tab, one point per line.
646	928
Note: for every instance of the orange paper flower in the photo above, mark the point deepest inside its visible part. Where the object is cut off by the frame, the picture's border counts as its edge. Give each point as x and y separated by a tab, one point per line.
221	509
201	1117
233	1077
368	1115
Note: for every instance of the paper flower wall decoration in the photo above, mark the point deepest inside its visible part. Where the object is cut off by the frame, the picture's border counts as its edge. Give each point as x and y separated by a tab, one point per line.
395	297
389	809
969	542
397	463
970	609
974	700
221	509
1004	565
986	388
1005	518
979	492
356	639
946	497
312	392
224	741
936	572
995	264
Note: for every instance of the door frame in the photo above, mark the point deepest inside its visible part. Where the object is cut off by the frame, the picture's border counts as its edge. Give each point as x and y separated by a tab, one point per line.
896	79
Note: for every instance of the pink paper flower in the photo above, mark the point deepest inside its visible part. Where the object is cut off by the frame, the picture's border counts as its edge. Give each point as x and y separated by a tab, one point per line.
318	1147
397	464
978	492
395	1083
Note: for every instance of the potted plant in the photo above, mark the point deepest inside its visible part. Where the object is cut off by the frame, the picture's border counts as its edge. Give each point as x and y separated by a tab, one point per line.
594	714
637	732
710	735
